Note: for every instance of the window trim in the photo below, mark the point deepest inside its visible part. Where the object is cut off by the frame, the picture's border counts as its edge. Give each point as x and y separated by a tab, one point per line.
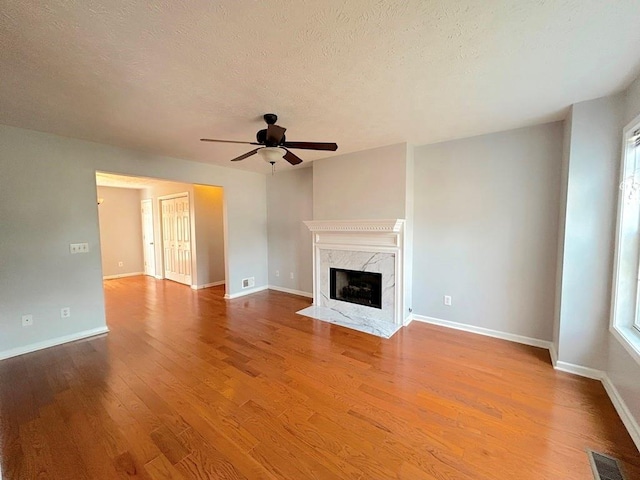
626	327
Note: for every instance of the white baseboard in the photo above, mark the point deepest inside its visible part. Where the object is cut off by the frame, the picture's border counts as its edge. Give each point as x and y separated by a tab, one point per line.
158	277
245	292
623	411
579	370
207	285
291	291
534	342
14	352
122	275
408	320
625	415
553	354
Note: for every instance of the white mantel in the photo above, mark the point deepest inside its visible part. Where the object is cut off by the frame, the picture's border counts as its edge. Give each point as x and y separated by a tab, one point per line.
366	245
389	225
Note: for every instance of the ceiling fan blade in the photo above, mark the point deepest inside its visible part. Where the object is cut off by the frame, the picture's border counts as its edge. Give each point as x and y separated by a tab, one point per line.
227	141
275	133
312	145
246	155
292	158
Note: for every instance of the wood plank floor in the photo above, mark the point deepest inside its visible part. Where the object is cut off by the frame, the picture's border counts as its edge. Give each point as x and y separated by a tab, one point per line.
188	385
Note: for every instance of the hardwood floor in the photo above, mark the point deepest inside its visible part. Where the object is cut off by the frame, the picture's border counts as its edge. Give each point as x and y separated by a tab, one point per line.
188	385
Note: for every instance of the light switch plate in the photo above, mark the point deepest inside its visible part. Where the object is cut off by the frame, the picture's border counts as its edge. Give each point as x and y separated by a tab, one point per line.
78	248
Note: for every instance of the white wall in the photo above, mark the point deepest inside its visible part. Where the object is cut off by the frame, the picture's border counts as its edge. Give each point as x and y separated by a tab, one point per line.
120	231
622	369
364	185
485	230
566	151
592	186
632	101
48	200
209	233
289	203
45	204
409	217
624	373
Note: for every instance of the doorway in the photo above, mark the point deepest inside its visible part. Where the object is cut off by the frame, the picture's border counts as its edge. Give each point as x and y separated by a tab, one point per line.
186	246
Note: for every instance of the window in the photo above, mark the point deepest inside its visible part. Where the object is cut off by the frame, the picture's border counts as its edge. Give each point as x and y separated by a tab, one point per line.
632	154
625	305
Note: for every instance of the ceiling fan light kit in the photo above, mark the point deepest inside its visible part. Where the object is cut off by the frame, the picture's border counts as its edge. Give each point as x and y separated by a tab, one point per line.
273	145
272	154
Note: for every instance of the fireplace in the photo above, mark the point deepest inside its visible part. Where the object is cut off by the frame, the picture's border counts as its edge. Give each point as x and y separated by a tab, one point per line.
361	288
358	274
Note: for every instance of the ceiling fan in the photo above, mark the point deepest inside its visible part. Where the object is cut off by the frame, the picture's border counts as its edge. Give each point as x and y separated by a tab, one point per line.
274	145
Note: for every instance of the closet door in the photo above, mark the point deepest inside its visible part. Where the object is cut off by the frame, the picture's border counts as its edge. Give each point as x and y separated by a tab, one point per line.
183	240
176	237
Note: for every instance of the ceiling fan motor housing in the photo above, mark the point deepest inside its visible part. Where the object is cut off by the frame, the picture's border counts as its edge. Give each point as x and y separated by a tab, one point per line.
261	138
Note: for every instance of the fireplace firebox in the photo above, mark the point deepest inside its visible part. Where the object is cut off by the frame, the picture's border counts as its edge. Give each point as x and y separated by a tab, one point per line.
361	288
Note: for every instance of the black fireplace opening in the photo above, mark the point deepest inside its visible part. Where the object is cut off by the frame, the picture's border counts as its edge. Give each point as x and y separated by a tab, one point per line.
362	288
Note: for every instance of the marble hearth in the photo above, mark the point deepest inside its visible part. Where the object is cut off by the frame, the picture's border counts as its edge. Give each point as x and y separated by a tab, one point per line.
373	246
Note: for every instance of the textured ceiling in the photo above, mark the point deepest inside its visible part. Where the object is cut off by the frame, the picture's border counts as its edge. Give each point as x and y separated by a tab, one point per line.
158	75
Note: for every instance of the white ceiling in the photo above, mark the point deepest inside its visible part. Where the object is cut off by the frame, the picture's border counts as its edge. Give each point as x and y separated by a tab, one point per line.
158	75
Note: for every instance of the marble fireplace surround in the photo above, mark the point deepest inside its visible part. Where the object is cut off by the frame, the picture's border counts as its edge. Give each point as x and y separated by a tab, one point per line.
361	245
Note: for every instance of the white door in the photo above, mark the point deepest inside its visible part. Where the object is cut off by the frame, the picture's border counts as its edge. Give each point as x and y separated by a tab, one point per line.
148	250
176	236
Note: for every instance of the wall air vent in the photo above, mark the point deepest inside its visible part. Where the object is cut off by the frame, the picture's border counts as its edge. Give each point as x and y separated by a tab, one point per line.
248	282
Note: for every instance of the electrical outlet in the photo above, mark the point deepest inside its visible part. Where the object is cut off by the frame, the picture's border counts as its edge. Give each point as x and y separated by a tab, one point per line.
447	300
27	320
277	273
291	275
121	264
65	312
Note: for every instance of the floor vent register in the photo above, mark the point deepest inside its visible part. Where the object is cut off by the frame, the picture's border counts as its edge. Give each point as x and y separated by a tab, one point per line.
604	467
